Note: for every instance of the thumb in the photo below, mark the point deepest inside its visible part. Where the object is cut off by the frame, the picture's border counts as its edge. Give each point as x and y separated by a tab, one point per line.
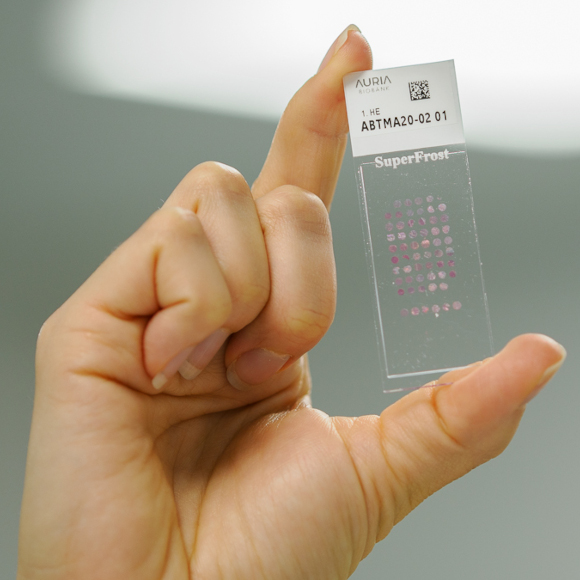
435	435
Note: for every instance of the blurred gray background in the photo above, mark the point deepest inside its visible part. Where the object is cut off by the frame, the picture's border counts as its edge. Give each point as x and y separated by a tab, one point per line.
79	174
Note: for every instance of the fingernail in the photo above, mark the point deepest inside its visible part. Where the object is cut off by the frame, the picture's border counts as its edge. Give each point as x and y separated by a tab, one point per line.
202	354
160	379
548	374
255	367
337	44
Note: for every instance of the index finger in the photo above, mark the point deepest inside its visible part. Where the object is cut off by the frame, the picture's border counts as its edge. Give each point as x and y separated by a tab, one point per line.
309	143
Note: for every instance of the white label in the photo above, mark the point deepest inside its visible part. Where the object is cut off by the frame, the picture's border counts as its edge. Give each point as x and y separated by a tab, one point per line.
403	108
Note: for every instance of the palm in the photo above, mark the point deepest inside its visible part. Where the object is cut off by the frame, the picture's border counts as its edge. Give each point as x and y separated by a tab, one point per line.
228	491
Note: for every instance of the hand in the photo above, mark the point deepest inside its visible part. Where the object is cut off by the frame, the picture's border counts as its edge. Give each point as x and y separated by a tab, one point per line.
224	470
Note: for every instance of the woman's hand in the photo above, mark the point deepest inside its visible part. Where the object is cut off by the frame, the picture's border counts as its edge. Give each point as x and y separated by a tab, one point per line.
173	435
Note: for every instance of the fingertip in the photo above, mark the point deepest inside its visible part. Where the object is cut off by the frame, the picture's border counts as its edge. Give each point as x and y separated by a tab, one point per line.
310	140
325	89
352	54
532	355
499	389
160	379
547	354
341	40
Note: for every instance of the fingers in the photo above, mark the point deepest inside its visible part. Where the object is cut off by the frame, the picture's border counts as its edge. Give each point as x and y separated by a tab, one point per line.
221	199
194	273
433	436
154	299
302	297
309	143
213	263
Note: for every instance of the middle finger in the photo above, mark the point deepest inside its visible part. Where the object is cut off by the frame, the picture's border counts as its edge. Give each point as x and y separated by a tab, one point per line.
222	200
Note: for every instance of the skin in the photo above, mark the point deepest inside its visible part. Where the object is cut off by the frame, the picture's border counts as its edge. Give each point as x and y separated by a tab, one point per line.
203	480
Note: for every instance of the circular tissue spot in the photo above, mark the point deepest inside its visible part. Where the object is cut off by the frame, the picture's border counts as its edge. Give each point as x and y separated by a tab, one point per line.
398	281
448	240
397	203
433	219
439	253
420	278
440	264
432	287
409	279
389	227
396	270
404	312
388	216
412	234
429	198
414	245
446	306
400	225
393	249
424	233
441	207
395	260
441	274
400	291
418	201
391	237
449	251
409	212
403	247
451	263
444	218
416	256
431	209
431	276
425	243
418	267
420	211
421	288
445	229
443	286
407	269
402	235
456	305
415	311
422	222
408	202
399	214
425	309
452	274
436	242
435	231
411	290
411	223
427	255
406	257
435	308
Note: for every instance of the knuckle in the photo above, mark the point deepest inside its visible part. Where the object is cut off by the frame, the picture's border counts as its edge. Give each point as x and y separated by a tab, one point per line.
212	175
214	306
169	223
251	294
309	325
298	208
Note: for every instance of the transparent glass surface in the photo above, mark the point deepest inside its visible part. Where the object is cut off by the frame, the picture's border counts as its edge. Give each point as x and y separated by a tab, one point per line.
423	255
